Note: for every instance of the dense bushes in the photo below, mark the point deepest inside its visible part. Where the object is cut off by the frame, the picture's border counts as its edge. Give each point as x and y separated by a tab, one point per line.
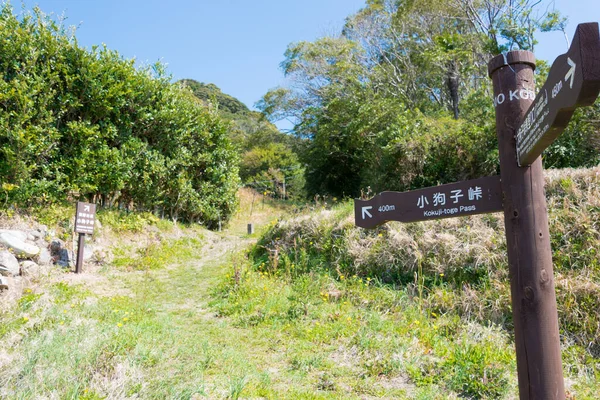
77	123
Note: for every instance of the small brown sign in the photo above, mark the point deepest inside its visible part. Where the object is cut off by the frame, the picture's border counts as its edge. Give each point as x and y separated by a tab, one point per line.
85	218
573	81
477	196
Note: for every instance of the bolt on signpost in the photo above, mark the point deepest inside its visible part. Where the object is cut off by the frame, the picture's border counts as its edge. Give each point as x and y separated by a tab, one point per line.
525	124
85	218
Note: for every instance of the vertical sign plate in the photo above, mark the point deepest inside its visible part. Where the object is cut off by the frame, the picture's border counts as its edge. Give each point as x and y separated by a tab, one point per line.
85	218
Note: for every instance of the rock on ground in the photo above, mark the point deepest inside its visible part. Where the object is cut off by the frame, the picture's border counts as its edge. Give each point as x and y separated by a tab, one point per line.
88	252
9	264
22	236
29	268
65	258
21	249
44	258
55	246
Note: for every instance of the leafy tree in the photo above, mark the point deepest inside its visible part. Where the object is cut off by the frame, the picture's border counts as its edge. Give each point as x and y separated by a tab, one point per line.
268	155
211	93
89	125
401	98
579	144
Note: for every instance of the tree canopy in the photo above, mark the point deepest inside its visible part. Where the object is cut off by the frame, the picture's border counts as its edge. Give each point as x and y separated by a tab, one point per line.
86	124
401	98
210	93
269	160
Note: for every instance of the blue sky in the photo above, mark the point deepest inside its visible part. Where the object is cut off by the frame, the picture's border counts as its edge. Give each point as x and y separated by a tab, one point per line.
235	44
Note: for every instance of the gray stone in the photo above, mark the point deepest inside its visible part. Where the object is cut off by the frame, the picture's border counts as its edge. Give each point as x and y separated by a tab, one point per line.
44	258
29	268
22	236
3	283
8	264
36	235
20	248
88	252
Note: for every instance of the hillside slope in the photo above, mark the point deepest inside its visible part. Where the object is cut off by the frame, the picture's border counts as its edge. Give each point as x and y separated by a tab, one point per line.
457	268
319	310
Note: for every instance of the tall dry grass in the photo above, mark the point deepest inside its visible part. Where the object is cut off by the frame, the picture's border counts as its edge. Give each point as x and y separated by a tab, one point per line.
458	265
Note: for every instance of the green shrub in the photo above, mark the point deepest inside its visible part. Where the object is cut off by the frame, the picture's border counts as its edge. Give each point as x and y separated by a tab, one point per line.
86	124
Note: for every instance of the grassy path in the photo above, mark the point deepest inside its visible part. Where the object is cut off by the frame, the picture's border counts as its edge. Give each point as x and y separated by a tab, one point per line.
192	329
136	334
151	334
158	334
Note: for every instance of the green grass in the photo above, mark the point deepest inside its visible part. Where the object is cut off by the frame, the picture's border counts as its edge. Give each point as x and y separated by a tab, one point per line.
156	253
361	335
204	330
328	314
121	221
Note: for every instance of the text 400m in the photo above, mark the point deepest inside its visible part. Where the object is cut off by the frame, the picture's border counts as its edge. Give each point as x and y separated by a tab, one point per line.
387	207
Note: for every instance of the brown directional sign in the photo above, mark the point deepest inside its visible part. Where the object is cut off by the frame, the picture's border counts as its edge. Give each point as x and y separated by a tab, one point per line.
85	218
478	196
573	81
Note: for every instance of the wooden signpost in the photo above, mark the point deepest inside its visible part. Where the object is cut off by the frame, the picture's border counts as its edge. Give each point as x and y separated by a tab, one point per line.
477	196
525	125
85	218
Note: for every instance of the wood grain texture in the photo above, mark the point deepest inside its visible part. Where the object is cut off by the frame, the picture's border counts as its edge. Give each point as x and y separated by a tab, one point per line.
535	317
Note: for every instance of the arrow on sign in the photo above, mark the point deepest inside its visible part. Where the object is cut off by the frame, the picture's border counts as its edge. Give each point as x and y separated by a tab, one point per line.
553	107
86	208
571	72
476	196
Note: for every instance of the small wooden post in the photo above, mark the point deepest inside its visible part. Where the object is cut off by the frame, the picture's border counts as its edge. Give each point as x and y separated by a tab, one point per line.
80	249
534	311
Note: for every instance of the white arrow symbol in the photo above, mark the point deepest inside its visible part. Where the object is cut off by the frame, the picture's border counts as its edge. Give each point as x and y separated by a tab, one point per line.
86	208
365	210
571	72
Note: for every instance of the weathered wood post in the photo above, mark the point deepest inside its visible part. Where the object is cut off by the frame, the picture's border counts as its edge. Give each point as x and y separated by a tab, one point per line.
80	250
533	296
85	219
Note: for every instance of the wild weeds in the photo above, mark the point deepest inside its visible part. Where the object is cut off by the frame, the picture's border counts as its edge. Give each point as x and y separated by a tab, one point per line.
454	267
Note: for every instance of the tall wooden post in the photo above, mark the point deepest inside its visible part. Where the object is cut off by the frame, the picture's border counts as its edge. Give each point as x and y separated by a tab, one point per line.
535	316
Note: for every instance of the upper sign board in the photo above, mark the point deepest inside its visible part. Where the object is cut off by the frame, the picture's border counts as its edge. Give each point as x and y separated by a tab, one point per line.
477	196
573	81
85	218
